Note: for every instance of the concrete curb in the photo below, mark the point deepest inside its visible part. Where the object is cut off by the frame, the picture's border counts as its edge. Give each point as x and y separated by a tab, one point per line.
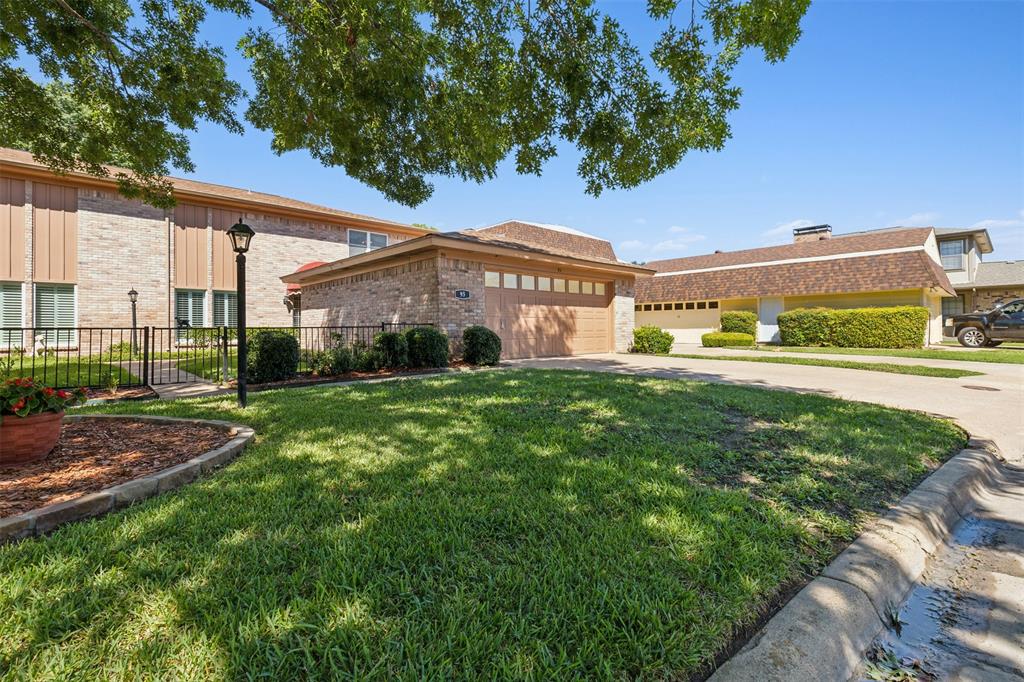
43	520
823	632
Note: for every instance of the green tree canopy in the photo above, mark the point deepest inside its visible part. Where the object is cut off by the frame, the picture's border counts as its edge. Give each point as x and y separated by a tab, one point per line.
393	91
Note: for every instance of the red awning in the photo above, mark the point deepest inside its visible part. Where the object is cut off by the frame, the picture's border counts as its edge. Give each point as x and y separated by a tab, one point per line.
291	288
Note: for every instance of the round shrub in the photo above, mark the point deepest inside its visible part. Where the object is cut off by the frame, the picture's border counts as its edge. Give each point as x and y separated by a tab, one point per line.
726	339
740	322
428	347
333	361
273	356
651	339
392	349
480	346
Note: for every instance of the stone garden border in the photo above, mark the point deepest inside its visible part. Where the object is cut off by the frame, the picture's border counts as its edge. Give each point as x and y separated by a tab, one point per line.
824	631
45	519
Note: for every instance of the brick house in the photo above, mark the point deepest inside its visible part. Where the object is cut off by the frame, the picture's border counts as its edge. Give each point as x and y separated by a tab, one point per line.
71	247
545	289
888	267
978	283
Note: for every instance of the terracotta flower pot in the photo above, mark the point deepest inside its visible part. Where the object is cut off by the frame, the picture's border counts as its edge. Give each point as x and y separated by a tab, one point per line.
26	439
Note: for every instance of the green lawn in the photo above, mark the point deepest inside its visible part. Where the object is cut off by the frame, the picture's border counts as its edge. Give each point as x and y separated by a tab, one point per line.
919	370
519	523
72	372
1013	356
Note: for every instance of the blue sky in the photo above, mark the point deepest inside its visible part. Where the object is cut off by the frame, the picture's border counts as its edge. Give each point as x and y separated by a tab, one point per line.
885	113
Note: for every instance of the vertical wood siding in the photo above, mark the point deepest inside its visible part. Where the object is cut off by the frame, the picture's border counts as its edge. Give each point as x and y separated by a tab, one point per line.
224	271
12	229
190	246
54	233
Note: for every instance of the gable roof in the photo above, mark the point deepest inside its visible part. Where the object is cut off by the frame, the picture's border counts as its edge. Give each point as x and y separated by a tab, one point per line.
980	235
552	238
15	161
881	272
998	274
840	245
456	240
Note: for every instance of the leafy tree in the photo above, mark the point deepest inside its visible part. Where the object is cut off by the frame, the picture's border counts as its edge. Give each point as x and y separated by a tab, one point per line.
393	91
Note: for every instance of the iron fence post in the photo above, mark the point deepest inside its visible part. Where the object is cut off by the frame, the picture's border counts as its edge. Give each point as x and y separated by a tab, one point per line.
224	354
145	356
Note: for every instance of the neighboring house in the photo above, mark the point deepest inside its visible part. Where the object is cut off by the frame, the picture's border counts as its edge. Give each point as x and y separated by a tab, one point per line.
894	266
71	247
546	290
978	284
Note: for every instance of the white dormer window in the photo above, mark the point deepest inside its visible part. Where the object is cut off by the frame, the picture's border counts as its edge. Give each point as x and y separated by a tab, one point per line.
360	241
952	254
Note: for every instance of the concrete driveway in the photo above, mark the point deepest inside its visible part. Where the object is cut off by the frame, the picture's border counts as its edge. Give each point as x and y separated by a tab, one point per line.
989	406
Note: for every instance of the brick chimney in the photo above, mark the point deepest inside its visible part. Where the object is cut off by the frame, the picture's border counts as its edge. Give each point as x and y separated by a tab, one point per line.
813	233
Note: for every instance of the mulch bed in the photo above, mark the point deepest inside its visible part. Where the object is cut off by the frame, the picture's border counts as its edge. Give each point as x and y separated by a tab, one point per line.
133	393
311	379
94	454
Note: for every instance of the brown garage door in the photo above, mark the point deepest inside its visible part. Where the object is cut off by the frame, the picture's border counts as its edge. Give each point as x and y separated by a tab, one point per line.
543	315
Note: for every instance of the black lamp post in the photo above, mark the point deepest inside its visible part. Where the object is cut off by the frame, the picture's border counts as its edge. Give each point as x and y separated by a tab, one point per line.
240	235
133	296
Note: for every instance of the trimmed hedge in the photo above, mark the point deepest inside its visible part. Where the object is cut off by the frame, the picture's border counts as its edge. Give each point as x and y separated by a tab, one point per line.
740	322
651	339
273	356
895	327
725	339
392	349
428	347
480	346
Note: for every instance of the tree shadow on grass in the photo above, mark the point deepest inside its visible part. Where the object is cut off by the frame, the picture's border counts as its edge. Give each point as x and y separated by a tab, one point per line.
528	524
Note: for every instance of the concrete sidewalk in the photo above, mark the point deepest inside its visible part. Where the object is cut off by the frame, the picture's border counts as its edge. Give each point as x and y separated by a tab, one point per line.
985	367
989	406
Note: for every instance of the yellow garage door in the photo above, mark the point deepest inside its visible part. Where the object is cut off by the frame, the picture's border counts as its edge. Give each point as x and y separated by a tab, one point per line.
547	315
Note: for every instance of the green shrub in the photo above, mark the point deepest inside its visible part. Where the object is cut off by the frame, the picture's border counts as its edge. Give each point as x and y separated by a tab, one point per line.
651	339
273	356
392	349
123	351
480	346
740	322
332	361
895	327
367	360
428	347
725	339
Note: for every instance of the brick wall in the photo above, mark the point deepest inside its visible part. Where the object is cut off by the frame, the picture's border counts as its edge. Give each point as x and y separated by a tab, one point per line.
983	299
121	244
457	314
404	293
623	314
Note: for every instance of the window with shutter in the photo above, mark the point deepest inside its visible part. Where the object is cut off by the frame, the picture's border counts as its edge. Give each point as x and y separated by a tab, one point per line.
10	315
225	309
189	310
55	314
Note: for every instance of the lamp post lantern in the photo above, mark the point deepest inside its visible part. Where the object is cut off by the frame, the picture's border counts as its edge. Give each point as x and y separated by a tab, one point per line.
133	296
240	235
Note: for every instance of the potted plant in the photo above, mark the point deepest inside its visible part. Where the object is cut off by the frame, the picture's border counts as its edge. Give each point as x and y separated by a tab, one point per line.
30	418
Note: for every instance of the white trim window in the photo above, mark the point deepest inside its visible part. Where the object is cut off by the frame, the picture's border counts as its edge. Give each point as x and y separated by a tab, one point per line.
361	241
55	312
225	309
952	254
10	315
189	308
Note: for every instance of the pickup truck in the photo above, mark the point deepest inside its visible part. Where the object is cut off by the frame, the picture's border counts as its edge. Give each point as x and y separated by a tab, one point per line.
1004	322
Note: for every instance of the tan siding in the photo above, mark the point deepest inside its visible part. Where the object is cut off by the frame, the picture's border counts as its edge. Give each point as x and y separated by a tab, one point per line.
54	233
189	246
864	300
224	271
12	229
748	304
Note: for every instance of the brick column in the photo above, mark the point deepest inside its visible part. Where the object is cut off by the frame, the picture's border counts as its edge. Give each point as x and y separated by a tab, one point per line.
623	314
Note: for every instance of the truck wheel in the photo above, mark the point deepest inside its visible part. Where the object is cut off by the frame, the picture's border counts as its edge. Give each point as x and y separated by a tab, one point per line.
992	344
972	337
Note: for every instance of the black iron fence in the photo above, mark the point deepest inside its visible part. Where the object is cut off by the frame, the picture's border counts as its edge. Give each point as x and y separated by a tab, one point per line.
113	357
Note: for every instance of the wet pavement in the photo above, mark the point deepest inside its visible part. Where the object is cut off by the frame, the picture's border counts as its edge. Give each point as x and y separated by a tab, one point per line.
964	621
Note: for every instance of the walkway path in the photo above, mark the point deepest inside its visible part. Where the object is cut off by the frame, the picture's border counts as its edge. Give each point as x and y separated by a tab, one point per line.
989	406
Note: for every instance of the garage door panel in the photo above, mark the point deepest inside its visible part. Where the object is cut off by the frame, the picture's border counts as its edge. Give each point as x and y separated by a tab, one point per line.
537	324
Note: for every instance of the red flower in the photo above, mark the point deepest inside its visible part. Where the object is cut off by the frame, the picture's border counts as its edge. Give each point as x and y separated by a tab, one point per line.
48	391
18	405
62	394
